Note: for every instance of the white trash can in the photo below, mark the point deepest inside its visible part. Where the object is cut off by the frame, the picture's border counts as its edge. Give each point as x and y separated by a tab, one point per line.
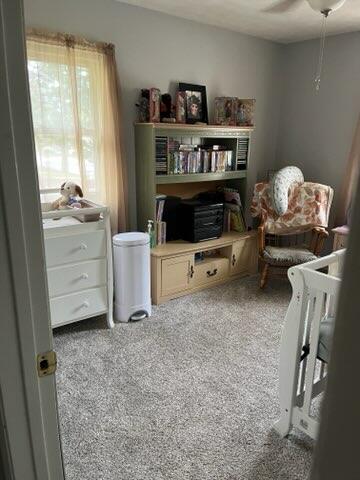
132	276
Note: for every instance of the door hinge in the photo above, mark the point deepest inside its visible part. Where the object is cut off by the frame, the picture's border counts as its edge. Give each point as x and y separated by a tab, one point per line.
46	363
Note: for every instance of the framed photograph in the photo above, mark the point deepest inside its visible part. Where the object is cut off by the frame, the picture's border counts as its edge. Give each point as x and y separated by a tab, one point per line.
180	107
143	105
195	102
225	110
245	112
154	105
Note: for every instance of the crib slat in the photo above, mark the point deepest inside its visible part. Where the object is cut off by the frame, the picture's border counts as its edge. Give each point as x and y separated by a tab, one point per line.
314	341
307	328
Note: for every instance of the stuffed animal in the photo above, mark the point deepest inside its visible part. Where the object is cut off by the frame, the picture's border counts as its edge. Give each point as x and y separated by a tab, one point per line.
69	193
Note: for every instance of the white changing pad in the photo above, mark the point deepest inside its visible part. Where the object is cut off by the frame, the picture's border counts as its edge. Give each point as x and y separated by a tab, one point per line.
61	222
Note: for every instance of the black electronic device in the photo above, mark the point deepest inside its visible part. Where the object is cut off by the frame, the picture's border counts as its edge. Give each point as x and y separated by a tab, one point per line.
201	220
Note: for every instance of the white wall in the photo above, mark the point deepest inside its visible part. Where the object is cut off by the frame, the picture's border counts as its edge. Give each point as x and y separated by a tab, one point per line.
316	129
154	49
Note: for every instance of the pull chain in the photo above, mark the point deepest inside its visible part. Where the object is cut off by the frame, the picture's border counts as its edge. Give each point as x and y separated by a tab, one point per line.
322	49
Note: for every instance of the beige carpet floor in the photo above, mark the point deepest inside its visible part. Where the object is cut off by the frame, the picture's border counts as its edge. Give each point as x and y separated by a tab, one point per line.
188	394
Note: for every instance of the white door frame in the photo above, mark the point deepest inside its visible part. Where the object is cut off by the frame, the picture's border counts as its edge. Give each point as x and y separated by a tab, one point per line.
28	416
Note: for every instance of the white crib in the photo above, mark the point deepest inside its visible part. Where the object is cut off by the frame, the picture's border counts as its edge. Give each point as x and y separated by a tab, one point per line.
314	299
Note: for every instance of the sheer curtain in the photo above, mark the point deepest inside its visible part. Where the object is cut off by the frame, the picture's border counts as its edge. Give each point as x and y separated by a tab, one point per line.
75	105
350	179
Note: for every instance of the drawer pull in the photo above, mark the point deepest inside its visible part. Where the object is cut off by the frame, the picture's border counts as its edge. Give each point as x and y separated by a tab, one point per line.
84	276
191	274
211	273
86	304
83	246
233	261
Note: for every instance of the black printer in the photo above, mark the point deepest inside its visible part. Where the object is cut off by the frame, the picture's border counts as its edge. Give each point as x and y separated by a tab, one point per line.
201	220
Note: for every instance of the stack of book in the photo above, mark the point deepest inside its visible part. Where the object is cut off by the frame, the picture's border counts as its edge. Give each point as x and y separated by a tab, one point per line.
161	155
242	153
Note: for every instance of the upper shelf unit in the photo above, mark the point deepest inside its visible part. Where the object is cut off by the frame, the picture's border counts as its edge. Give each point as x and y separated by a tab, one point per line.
198	149
187	154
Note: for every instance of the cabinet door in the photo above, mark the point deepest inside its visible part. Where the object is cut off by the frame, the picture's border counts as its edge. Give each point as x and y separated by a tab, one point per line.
176	274
244	256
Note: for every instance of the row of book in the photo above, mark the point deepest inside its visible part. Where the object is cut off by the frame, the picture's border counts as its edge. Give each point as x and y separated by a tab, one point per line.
200	160
173	157
161	155
242	153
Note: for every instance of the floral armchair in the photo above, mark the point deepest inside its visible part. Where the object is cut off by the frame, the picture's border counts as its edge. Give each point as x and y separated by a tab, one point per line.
297	236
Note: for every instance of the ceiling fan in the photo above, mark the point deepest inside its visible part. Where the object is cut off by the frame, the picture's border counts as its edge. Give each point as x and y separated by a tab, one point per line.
322	6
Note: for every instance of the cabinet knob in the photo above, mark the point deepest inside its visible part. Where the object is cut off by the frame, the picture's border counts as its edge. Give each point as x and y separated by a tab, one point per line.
84	276
86	304
83	246
191	274
233	260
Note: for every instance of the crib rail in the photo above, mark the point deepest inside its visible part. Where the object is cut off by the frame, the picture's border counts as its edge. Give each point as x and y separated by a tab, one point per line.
315	288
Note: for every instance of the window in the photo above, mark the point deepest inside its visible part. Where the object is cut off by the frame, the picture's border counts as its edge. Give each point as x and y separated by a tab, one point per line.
74	101
64	124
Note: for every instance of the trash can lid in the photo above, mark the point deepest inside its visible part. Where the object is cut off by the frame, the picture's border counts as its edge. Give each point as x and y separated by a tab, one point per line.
131	239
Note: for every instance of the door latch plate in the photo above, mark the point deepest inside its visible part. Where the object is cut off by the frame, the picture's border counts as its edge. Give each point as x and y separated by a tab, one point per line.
46	363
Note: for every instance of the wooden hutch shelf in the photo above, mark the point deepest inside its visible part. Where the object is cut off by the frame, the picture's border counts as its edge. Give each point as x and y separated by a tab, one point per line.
179	267
199	177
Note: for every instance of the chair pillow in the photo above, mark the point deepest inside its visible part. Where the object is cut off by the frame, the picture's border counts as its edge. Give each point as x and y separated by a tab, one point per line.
279	187
285	256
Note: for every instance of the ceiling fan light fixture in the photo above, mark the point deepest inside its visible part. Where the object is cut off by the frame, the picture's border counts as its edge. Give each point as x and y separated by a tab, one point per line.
326	5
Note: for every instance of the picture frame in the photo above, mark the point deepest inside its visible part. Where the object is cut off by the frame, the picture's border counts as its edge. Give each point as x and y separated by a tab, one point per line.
154	105
225	111
143	105
180	107
245	112
196	110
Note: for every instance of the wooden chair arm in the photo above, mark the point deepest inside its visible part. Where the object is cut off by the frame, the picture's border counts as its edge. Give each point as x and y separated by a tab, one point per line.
319	235
261	235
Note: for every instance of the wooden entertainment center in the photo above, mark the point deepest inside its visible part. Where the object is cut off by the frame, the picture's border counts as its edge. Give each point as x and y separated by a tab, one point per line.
179	267
176	272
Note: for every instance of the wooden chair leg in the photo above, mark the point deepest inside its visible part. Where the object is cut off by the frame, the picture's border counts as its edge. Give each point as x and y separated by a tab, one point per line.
264	275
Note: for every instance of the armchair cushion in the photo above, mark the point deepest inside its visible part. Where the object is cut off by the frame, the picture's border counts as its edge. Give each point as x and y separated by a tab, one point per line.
309	206
287	256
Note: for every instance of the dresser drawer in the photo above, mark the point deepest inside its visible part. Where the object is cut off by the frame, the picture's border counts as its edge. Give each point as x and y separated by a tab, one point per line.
76	306
211	270
74	248
81	276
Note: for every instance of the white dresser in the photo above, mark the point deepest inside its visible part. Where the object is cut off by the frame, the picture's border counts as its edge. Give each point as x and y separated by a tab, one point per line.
79	265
